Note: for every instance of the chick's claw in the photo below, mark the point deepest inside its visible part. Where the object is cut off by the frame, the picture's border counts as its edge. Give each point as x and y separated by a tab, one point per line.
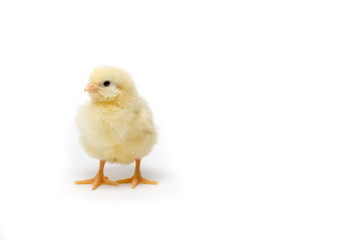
97	181
87	181
135	180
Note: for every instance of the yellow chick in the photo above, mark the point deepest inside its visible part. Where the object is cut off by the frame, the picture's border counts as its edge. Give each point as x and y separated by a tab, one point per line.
116	126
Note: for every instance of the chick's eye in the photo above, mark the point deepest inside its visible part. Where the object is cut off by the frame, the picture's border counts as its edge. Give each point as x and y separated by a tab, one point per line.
106	83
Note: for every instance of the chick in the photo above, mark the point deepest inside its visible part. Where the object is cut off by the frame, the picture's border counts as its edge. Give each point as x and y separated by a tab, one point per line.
116	126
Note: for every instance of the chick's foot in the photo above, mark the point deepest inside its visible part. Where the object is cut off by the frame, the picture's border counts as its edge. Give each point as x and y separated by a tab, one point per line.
99	179
136	178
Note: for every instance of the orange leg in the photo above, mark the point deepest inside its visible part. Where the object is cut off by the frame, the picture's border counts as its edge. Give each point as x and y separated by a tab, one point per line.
136	178
99	179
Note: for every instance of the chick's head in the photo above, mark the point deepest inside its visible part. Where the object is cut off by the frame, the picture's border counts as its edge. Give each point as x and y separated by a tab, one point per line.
107	84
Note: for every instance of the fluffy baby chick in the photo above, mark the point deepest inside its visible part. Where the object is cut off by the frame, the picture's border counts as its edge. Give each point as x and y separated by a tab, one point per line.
116	126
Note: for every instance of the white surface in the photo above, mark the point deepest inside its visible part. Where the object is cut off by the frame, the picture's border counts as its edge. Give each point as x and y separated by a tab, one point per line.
258	105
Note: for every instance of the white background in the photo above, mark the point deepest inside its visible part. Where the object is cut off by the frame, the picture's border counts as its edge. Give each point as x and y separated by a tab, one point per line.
258	105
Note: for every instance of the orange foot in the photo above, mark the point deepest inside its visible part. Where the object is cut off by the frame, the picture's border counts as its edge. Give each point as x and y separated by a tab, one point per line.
136	178
99	179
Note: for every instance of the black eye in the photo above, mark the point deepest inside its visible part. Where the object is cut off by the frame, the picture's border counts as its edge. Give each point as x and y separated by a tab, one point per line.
106	83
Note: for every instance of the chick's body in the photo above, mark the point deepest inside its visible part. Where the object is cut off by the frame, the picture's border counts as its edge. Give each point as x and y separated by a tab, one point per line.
116	126
117	132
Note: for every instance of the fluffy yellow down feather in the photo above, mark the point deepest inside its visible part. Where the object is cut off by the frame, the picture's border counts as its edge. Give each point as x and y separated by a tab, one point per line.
116	125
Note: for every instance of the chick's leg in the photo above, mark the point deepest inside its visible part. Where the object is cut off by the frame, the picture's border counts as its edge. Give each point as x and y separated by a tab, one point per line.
99	179
136	178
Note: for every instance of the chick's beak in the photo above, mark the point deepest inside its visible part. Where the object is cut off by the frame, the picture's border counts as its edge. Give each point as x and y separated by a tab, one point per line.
91	87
